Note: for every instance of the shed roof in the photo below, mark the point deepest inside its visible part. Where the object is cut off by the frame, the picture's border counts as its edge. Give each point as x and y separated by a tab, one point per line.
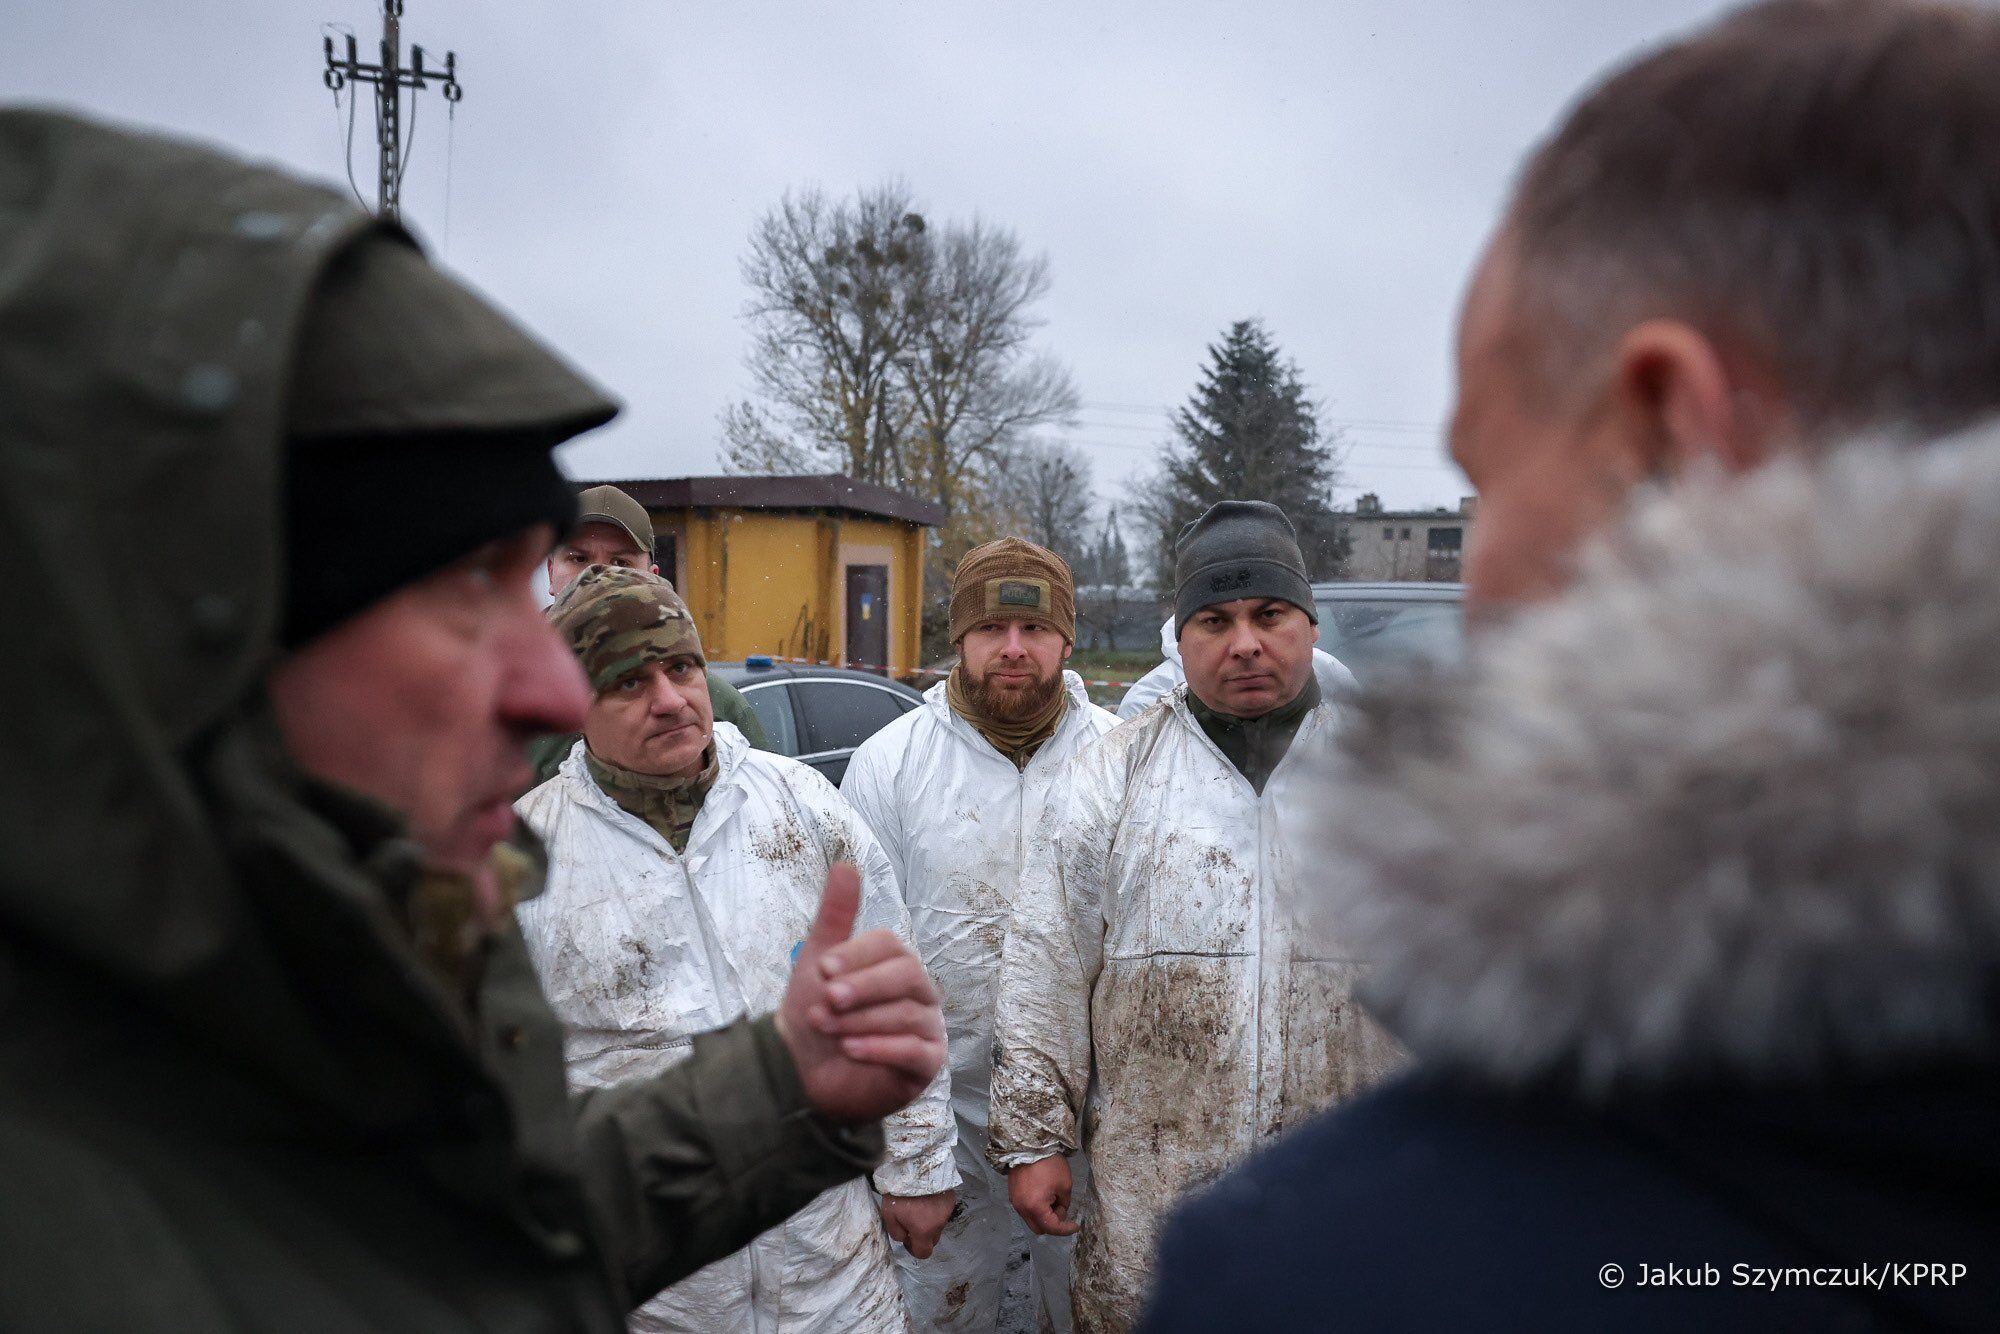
830	491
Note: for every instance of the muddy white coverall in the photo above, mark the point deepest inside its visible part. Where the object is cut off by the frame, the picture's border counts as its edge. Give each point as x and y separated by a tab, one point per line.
640	947
1334	678
956	819
1157	1008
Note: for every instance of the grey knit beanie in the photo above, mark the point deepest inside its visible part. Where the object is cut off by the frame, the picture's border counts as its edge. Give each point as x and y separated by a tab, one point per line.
1239	549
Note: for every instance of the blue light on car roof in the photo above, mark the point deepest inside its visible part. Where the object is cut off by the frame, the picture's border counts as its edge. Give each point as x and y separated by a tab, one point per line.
757	660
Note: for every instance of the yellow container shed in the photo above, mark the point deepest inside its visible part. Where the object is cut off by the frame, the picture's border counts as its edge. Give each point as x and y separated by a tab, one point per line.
821	569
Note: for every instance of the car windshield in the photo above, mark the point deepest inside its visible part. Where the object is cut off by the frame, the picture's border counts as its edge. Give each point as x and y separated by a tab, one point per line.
1376	636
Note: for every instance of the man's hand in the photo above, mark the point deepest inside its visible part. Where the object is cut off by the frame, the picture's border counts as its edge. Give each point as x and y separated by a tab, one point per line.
860	1016
1039	1192
918	1220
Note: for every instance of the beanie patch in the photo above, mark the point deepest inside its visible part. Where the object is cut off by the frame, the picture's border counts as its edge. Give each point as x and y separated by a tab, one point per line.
1012	580
1018	595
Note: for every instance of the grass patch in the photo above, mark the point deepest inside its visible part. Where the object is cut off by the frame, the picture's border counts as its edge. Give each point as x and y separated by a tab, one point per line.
1136	661
1122	667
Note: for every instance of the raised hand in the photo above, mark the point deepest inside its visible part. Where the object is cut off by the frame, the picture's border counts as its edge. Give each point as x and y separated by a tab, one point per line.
860	1016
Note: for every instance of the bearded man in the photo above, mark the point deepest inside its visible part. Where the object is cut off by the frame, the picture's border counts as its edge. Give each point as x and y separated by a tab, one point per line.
955	791
1155	1008
681	867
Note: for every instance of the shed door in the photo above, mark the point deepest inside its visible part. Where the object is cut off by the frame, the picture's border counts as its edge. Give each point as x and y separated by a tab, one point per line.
868	617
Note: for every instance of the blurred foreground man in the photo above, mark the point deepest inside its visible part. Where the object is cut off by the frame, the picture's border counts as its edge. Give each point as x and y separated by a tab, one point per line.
684	872
612	528
1687	894
957	791
1156	1010
272	1056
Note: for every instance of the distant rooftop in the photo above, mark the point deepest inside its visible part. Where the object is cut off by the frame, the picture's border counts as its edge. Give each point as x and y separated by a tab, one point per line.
1368	507
830	492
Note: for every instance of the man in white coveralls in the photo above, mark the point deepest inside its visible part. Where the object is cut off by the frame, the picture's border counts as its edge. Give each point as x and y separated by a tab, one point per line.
1157	684
955	791
683	872
1157	1009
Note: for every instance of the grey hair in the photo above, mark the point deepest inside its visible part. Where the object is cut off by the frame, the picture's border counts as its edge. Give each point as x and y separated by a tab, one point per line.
1815	183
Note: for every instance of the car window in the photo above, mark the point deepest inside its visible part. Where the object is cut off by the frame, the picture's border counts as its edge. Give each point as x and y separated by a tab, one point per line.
1374	637
773	706
842	714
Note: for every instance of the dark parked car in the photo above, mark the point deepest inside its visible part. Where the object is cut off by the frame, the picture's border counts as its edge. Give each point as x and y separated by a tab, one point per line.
1375	628
817	714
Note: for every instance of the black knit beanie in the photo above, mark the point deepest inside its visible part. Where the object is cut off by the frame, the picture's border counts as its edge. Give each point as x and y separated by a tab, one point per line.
1238	549
421	426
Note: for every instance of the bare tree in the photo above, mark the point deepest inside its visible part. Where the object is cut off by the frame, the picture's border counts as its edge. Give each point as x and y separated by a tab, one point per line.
1052	493
896	351
836	296
978	393
1104	596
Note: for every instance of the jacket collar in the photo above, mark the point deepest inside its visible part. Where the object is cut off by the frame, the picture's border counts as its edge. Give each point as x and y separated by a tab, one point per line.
1324	716
1730	808
724	798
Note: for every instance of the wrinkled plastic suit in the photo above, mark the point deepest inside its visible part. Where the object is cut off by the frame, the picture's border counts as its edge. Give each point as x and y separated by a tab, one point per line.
956	819
1158	1007
1334	678
639	948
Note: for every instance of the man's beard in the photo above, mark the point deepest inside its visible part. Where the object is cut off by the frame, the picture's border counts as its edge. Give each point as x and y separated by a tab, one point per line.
1014	704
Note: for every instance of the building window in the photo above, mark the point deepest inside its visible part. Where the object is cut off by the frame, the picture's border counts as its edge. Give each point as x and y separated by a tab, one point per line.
1406	535
1388	534
1441	563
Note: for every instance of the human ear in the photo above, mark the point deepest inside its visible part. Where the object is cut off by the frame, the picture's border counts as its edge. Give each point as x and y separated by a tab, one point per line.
1679	402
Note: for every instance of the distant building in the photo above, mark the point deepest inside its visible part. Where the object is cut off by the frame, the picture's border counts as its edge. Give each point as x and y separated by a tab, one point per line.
1404	544
823	567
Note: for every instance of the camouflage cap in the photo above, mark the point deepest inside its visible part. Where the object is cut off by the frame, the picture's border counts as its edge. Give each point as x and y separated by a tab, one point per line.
617	620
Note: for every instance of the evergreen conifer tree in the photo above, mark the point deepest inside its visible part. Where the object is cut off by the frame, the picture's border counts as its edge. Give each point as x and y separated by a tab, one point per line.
1248	432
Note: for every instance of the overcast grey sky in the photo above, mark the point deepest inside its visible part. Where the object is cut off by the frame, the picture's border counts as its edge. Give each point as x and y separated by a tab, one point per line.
1330	167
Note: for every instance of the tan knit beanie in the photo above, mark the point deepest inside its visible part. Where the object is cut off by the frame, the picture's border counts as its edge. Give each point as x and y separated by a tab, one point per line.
1013	580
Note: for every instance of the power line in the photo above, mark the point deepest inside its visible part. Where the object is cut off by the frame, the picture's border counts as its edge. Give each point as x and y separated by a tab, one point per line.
390	78
1376	423
1408	446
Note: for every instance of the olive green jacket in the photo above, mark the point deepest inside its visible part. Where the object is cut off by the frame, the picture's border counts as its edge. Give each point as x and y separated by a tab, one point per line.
231	1095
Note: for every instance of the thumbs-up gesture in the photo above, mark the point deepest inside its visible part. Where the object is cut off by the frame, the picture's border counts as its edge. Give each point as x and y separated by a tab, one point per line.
860	1016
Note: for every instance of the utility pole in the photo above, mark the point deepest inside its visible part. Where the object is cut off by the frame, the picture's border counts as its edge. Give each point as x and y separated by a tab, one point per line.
390	77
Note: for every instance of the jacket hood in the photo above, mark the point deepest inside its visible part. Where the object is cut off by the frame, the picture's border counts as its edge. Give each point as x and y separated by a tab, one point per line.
1170	643
151	293
1729	808
159	847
